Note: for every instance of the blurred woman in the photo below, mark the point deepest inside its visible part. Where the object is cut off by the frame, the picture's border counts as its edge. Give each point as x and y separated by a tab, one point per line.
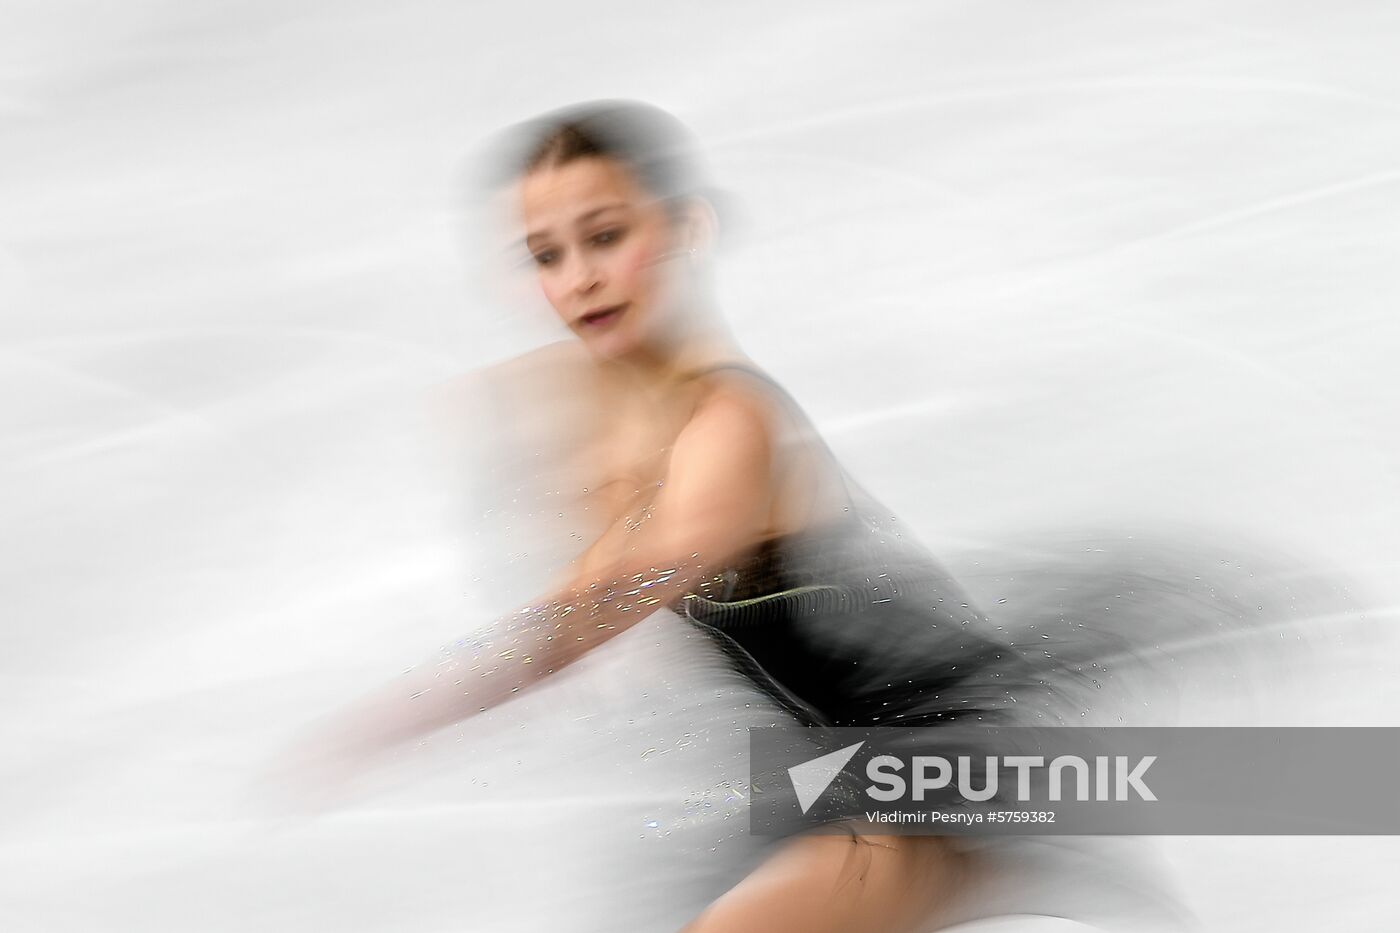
716	498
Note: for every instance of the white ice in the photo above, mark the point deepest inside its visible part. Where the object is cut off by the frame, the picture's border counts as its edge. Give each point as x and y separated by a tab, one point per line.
1030	265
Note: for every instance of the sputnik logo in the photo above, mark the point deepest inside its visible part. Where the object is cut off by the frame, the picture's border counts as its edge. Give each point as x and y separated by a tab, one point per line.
811	778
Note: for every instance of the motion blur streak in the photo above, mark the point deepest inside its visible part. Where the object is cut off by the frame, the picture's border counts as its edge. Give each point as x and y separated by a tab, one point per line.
1034	269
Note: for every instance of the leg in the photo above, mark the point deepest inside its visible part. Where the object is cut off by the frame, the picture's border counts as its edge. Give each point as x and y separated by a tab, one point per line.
846	883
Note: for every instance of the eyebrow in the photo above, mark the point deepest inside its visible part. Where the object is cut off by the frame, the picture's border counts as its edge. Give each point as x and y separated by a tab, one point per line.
581	219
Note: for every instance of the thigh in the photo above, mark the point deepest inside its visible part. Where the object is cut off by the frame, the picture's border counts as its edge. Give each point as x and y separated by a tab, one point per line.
841	882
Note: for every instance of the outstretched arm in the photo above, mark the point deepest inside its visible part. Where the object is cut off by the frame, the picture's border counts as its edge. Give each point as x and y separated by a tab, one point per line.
712	506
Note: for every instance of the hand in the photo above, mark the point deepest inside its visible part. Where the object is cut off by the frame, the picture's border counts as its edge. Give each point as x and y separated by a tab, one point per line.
318	771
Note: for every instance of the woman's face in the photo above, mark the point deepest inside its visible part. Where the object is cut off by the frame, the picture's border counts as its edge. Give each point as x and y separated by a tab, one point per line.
597	240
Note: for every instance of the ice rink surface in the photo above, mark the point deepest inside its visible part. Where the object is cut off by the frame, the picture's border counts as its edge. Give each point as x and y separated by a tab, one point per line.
1029	265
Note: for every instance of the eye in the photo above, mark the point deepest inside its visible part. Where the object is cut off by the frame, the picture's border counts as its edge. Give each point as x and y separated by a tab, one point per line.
544	257
611	235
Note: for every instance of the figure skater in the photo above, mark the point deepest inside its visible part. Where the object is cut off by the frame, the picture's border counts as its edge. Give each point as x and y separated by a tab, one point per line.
719	501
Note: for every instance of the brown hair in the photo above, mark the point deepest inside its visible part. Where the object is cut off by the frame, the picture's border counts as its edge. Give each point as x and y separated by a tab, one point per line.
660	150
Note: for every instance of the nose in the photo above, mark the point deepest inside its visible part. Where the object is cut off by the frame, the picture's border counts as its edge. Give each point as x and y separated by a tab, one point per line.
585	276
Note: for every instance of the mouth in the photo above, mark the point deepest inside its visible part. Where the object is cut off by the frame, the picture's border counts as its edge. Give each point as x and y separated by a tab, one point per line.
601	317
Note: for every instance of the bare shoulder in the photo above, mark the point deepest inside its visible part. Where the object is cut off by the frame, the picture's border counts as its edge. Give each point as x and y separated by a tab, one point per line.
553	383
737	405
746	425
743	399
734	421
541	369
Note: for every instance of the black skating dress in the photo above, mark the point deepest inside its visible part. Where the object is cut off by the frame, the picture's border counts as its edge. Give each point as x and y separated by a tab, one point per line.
852	623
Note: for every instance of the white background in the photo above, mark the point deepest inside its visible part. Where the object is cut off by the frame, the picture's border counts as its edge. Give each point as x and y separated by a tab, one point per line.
1028	264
